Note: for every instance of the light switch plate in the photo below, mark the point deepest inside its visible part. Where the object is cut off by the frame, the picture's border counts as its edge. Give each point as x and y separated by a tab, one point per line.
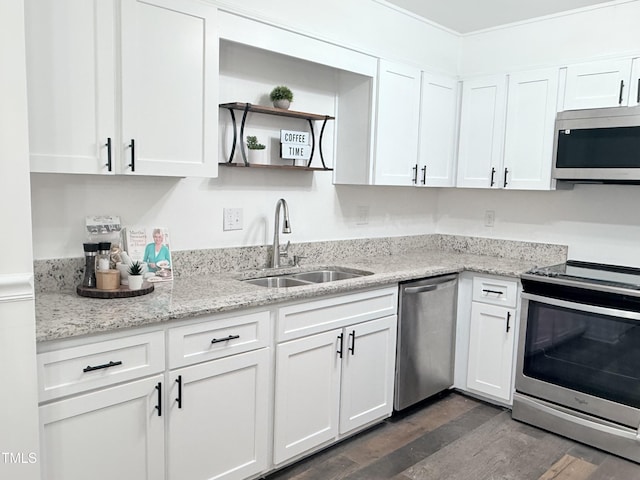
489	218
232	219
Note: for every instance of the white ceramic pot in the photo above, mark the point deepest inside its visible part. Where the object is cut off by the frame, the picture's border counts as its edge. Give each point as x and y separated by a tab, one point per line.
257	157
282	103
135	282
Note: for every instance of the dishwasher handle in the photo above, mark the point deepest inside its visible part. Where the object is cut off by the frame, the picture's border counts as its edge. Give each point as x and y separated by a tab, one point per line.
430	288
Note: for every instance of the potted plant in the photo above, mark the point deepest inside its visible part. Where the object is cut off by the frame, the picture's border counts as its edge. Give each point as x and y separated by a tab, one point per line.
256	150
135	276
281	97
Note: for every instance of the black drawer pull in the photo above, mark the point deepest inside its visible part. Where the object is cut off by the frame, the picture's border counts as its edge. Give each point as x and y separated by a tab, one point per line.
159	404
226	339
132	146
497	292
179	399
100	367
108	145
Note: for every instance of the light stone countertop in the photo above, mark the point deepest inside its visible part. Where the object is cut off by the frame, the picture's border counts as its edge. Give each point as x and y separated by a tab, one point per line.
64	314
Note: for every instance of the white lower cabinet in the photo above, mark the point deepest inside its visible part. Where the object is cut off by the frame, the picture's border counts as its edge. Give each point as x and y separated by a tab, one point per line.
492	335
335	364
195	400
117	432
218	417
331	383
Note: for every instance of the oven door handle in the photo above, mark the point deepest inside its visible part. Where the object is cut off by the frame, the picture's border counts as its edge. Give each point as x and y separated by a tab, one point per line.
612	312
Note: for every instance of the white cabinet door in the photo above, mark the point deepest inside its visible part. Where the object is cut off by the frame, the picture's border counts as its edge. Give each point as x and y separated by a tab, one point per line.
368	372
307	393
398	117
71	84
169	88
218	414
598	84
438	122
482	131
531	113
112	433
491	344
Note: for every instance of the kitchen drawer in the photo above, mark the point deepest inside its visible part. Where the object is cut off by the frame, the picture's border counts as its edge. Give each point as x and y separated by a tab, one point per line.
495	291
96	365
299	320
218	337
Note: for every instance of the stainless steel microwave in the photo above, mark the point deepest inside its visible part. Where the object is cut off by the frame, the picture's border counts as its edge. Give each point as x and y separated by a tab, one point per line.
599	145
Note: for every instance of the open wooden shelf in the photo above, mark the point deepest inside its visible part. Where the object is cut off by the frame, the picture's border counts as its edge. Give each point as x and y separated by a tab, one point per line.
275	167
238	138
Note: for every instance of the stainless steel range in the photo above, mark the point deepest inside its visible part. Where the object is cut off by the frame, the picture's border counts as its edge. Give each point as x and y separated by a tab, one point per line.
578	368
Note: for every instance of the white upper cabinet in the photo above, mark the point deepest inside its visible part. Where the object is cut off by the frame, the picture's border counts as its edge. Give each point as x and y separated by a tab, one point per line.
71	84
438	123
166	72
169	88
398	117
600	84
481	131
531	113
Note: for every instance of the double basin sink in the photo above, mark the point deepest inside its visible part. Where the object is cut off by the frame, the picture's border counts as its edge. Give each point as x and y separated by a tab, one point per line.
308	278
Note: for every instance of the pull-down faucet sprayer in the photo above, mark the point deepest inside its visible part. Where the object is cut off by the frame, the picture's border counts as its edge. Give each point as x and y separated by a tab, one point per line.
286	228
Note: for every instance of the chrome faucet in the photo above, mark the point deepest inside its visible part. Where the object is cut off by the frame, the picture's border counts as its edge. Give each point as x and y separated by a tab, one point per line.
286	228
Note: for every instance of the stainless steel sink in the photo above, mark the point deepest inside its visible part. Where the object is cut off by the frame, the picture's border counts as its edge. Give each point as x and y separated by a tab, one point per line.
307	278
276	282
321	276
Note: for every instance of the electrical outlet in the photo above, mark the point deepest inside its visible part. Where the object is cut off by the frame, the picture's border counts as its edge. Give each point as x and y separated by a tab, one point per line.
363	215
232	219
489	218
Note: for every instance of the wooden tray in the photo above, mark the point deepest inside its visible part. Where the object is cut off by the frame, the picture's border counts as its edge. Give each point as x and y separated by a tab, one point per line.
122	292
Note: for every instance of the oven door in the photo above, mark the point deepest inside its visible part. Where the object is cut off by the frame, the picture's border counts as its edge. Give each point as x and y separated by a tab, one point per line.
583	357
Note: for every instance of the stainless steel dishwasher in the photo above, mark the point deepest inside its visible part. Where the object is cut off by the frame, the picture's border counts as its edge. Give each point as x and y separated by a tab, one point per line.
426	339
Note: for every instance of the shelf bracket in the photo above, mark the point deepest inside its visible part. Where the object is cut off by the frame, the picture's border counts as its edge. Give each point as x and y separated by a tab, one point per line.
324	124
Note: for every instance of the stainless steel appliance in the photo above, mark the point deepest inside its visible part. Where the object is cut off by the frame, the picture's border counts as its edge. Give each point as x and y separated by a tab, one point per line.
578	367
426	338
600	145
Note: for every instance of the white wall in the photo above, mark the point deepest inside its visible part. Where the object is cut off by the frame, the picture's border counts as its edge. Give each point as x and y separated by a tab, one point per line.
18	402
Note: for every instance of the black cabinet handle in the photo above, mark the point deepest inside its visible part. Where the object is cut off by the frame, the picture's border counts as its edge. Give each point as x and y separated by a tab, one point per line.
352	348
226	339
159	404
415	174
132	146
108	145
505	177
341	338
424	175
89	368
493	174
621	88
179	399
508	318
497	292
638	92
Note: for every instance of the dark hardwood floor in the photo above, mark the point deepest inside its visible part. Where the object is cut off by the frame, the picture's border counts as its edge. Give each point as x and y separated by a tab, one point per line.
459	438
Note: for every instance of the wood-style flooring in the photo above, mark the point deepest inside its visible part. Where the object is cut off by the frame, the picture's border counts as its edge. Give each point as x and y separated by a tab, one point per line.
459	438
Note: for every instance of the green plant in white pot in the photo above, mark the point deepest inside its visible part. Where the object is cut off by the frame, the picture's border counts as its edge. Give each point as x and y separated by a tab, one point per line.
135	276
281	96
256	150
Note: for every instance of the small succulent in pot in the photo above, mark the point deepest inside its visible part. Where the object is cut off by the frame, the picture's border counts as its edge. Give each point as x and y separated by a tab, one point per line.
252	143
135	269
281	96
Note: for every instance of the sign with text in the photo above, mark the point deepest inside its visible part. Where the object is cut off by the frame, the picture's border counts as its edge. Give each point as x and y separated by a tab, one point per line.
295	151
293	137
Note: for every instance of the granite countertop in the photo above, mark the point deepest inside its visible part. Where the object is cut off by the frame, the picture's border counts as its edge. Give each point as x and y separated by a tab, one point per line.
64	314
